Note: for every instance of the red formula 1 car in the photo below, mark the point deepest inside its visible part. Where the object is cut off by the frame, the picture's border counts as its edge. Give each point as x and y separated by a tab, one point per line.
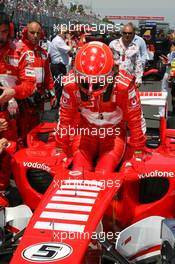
123	217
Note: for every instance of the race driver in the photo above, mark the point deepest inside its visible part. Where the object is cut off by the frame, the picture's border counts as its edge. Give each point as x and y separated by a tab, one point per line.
95	100
16	81
37	58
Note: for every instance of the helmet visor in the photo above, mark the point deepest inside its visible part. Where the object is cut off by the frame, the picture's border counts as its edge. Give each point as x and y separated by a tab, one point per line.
89	86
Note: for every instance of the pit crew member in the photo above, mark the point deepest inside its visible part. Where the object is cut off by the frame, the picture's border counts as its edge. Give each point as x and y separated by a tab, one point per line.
15	82
31	108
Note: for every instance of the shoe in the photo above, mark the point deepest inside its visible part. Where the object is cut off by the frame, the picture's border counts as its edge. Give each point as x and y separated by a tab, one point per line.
157	115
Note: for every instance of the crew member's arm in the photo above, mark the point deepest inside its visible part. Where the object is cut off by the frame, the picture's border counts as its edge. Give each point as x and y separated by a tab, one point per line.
138	69
113	46
61	45
49	84
25	84
48	80
129	100
144	52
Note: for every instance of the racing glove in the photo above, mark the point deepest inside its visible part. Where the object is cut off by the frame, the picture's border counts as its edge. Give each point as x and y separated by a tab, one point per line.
11	148
53	102
138	85
137	162
3	203
63	158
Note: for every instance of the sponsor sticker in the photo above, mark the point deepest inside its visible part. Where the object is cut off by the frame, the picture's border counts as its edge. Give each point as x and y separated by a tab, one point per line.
65	94
157	174
75	173
30	72
30	57
43	56
46	252
132	94
30	53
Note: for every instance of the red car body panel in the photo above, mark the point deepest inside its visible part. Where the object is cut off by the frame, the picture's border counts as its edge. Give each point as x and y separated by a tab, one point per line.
120	203
48	224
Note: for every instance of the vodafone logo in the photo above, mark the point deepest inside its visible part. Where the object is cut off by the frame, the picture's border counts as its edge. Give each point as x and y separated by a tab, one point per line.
37	165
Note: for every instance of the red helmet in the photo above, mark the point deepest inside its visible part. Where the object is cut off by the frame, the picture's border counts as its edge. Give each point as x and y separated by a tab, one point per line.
94	67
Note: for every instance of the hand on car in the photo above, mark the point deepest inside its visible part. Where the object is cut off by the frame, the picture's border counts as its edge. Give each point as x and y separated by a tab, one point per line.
136	160
3	124
7	94
3	144
139	158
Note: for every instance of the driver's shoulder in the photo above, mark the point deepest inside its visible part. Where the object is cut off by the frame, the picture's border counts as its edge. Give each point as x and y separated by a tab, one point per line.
69	84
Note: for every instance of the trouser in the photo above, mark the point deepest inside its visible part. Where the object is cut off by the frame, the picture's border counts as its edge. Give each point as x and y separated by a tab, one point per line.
58	71
5	159
29	117
173	98
164	88
5	170
106	149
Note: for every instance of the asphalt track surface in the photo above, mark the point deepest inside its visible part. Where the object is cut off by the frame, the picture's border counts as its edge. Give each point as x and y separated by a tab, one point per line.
149	111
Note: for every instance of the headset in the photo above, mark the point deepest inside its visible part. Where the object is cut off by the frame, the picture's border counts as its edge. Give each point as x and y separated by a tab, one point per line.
25	30
12	30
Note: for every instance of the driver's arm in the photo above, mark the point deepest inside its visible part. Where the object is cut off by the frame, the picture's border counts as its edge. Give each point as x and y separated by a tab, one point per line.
131	107
68	118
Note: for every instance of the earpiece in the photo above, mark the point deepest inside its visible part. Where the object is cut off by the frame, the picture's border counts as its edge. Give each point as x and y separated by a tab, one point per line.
42	34
12	30
24	32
